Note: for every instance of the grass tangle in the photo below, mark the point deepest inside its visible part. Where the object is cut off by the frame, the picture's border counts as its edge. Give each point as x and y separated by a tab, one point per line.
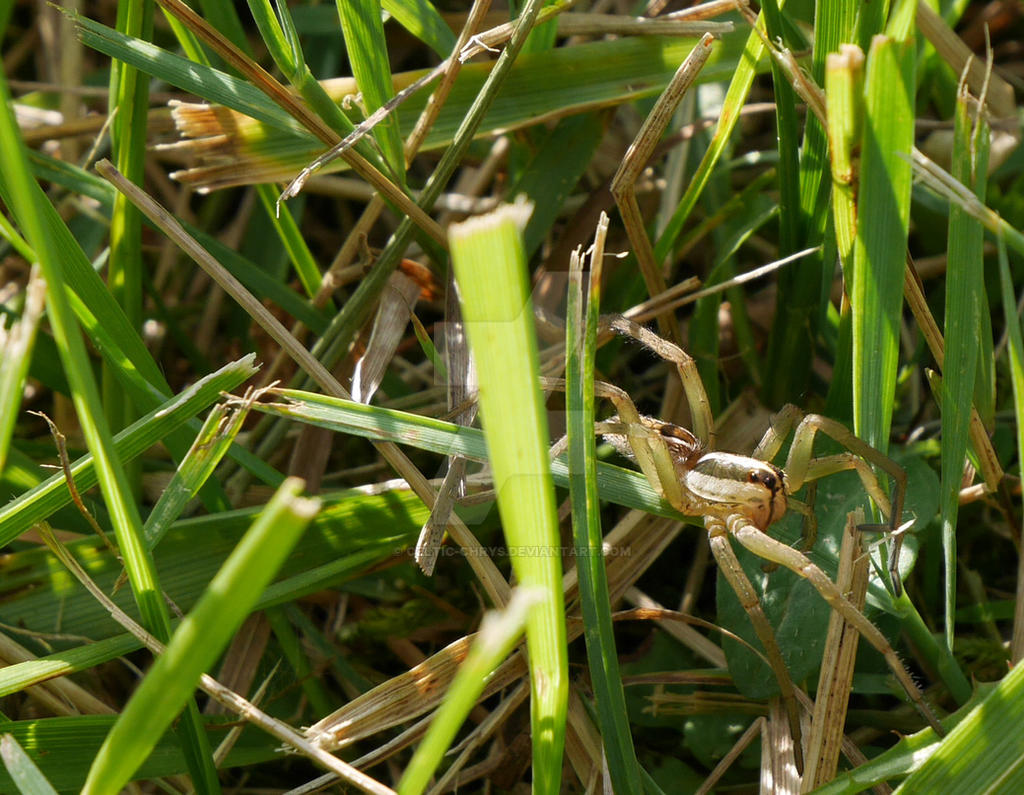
264	264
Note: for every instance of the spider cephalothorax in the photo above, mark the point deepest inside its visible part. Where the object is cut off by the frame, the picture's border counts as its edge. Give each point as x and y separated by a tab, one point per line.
738	484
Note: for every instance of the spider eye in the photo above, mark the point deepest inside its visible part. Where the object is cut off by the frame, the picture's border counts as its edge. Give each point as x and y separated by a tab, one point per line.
753	476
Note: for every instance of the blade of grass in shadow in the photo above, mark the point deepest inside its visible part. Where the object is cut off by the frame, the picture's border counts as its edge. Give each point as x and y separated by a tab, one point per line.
27	205
200	638
595	601
965	270
422	20
495	639
1015	353
802	212
21	513
490	268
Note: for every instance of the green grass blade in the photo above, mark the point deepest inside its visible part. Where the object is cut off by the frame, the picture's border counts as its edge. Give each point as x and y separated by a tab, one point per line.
20	514
739	88
595	601
422	20
27	206
962	330
16	345
984	753
22	770
219	430
883	217
200	638
298	250
621	486
605	73
1015	354
282	40
493	642
487	254
368	55
204	81
129	91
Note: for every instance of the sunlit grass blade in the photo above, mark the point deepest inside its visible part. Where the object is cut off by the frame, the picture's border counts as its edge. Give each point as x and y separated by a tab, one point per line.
218	432
27	204
368	56
983	752
622	486
204	81
595	601
962	331
16	346
883	216
22	770
353	533
495	639
487	254
200	638
21	513
606	73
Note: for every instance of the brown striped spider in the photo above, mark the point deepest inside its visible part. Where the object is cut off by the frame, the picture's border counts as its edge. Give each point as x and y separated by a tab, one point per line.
740	496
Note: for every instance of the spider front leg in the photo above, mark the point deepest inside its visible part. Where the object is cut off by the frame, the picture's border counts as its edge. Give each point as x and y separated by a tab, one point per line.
729	565
686	367
802	467
770	549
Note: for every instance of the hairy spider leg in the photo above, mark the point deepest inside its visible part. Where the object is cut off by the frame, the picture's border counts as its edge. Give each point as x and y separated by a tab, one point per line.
801	467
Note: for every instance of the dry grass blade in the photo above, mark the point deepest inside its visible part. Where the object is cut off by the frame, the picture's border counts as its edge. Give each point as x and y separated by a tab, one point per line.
233	701
623	184
835	684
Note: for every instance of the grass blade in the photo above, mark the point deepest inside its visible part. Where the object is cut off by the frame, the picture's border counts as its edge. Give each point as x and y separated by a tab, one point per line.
595	601
492	644
22	770
962	331
883	216
200	638
487	254
20	514
368	55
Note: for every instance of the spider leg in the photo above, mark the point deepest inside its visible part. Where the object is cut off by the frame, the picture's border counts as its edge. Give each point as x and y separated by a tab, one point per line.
729	565
775	551
693	386
639	440
801	466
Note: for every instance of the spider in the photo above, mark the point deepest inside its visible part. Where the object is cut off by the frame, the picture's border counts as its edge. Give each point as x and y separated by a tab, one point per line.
740	496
